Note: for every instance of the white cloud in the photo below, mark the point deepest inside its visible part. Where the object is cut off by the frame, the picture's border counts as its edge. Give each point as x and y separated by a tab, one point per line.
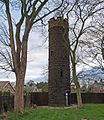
7	76
37	58
7	79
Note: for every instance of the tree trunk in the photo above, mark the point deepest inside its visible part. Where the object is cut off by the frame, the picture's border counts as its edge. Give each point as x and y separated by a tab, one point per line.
79	99
20	71
19	95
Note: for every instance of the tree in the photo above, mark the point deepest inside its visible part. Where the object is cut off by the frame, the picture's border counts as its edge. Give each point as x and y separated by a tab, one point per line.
87	77
80	17
80	14
43	86
16	35
91	45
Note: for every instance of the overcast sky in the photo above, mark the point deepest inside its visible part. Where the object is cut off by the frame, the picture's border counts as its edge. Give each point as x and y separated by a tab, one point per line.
37	60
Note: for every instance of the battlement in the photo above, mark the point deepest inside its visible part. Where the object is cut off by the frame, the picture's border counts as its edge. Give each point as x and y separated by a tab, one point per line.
58	22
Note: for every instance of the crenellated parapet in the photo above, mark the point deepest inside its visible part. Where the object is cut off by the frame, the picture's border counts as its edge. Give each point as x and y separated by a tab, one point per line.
58	22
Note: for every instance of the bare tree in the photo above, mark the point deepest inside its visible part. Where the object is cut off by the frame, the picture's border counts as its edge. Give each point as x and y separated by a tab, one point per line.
15	34
91	45
80	18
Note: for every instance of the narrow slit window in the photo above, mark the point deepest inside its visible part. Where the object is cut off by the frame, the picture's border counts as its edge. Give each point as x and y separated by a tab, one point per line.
61	74
51	53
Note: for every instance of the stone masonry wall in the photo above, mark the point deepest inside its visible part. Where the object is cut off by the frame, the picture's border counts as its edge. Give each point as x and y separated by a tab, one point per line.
58	82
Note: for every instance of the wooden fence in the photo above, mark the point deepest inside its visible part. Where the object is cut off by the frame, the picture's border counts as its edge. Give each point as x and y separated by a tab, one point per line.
89	98
6	103
41	99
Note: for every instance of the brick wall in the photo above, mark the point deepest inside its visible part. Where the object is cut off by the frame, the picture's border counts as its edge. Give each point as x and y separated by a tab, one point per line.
58	82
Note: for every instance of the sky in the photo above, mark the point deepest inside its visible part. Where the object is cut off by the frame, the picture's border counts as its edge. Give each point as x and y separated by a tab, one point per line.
37	55
37	60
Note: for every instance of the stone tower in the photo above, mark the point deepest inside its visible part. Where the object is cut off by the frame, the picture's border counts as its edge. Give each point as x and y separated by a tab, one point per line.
58	82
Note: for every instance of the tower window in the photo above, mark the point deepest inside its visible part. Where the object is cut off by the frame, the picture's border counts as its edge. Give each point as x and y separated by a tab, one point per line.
61	74
51	53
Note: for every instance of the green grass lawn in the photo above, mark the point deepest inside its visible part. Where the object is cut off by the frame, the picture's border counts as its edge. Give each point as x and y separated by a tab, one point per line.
89	111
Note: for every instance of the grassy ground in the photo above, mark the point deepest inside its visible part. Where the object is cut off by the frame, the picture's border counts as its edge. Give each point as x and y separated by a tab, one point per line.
89	111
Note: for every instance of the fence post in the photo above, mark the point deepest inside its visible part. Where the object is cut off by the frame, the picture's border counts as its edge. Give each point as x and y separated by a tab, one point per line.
1	102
